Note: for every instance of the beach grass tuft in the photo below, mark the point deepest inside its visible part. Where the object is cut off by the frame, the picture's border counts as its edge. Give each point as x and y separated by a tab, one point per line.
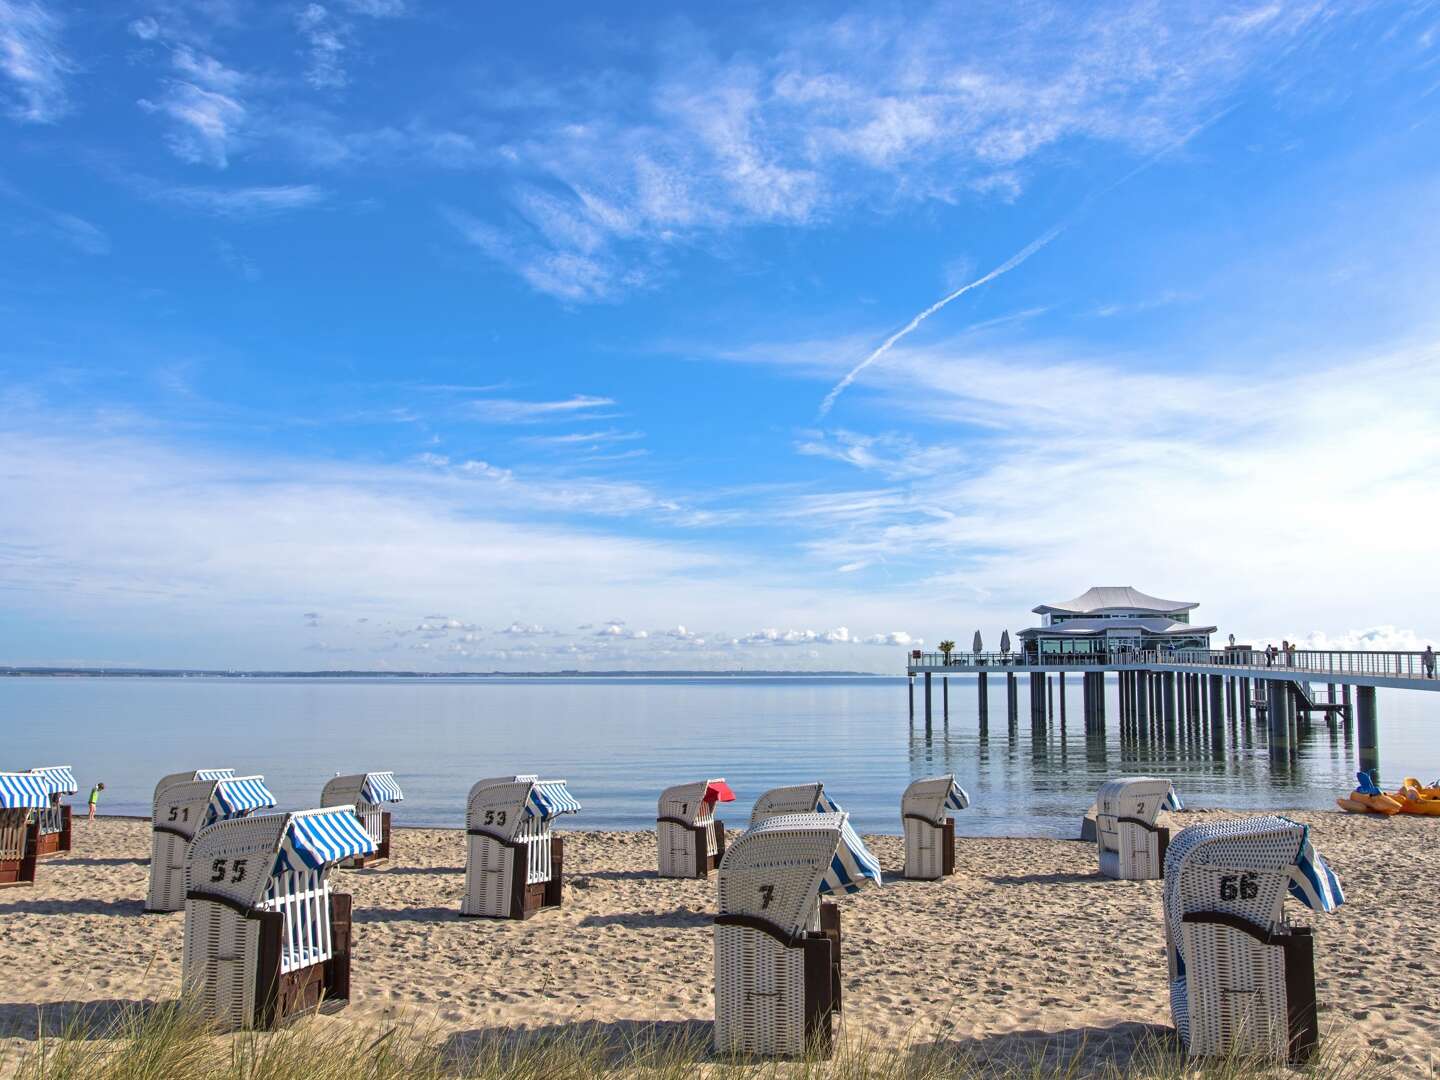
169	1041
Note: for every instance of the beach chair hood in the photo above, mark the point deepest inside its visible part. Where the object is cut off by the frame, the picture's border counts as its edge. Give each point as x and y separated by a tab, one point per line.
932	798
718	791
1139	797
499	805
237	796
798	799
61	778
549	799
852	867
373	788
24	791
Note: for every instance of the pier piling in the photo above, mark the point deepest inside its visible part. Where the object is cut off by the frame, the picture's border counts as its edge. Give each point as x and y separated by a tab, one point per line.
1367	730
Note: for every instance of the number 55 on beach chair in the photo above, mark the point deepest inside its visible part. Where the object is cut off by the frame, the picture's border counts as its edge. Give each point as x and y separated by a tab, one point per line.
265	938
513	864
777	943
929	828
184	804
1130	845
691	839
1242	979
367	792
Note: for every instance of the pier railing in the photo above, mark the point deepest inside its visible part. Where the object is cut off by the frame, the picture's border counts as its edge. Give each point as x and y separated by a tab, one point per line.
1325	665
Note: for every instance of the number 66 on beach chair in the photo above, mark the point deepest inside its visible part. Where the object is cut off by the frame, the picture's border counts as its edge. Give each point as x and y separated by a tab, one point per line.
512	863
929	829
184	804
777	944
1242	979
1130	845
366	792
265	938
691	840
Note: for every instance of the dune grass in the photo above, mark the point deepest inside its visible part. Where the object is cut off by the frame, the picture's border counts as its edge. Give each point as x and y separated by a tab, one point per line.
169	1042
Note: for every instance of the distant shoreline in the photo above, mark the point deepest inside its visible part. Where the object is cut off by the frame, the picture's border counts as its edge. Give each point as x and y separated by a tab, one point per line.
202	673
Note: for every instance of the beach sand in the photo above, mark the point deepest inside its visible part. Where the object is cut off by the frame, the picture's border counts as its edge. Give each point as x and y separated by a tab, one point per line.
1025	942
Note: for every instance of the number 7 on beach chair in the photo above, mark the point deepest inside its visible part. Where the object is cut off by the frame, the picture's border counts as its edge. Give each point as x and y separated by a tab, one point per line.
777	943
691	839
265	938
929	828
512	863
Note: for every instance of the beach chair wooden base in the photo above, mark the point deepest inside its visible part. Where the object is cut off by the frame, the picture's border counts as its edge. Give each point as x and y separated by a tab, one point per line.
17	848
280	997
57	842
929	848
17	872
517	897
687	850
763	974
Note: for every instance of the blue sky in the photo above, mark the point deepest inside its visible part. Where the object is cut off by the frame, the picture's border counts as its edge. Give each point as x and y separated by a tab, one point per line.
392	333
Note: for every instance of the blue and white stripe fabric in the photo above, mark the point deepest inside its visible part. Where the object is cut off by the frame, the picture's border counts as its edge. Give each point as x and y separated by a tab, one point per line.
1172	800
957	799
852	868
550	798
1312	882
381	787
24	791
234	796
61	778
826	805
313	841
214	774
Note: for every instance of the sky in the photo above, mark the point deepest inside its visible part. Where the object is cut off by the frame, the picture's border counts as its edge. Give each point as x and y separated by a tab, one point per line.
407	335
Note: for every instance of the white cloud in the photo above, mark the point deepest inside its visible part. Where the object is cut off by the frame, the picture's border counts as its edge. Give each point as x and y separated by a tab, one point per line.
516	629
206	71
1377	638
31	58
145	28
205	123
510	411
241	202
325	37
895	637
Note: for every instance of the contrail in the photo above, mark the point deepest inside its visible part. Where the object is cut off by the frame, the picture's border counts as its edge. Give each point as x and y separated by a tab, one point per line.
1014	260
1004	268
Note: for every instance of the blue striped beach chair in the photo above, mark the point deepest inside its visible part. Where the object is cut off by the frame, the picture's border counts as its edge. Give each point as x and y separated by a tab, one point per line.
53	824
368	793
777	942
798	799
23	795
929	829
1242	979
265	937
1130	845
184	804
513	863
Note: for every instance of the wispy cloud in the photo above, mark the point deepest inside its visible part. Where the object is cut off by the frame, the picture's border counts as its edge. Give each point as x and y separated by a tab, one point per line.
240	202
585	438
204	123
513	411
326	40
32	60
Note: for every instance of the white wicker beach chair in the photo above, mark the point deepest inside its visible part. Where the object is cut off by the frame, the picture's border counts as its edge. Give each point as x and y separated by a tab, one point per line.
777	944
513	864
690	837
367	792
800	799
184	804
1130	845
1242	979
265	938
53	832
23	795
929	828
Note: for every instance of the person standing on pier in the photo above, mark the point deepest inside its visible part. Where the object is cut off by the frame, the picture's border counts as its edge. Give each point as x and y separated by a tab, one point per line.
1427	662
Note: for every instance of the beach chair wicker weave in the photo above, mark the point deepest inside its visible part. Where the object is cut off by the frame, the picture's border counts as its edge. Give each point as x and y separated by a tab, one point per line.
185	803
23	795
367	792
799	799
513	864
690	838
53	824
1130	845
929	829
777	943
1242	979
265	938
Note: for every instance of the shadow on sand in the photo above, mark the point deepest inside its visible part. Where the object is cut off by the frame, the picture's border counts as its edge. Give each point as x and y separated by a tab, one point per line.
80	906
612	1042
651	920
76	1019
1075	1052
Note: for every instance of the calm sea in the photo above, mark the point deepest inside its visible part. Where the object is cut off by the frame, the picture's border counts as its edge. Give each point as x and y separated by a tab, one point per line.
619	741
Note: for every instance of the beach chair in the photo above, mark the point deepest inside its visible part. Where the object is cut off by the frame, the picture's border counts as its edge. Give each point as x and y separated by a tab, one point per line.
52	833
184	804
1242	979
23	795
691	839
929	829
265	938
777	943
800	799
367	792
1131	846
513	864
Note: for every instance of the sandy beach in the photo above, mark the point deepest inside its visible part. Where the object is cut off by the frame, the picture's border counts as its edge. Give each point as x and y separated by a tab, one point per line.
1025	942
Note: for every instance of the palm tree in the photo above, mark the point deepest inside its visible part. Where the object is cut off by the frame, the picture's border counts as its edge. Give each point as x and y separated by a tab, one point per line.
946	648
